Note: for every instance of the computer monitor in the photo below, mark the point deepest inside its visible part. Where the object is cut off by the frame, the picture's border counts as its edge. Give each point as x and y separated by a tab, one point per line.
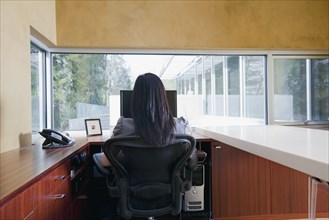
125	102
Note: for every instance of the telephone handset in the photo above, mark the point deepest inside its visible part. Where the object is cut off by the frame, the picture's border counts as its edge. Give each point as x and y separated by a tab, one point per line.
55	139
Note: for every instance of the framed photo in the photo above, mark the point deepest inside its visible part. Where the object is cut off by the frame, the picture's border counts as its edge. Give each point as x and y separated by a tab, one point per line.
93	127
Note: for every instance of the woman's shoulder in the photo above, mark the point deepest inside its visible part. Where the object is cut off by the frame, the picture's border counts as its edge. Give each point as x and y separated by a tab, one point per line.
126	120
181	125
124	126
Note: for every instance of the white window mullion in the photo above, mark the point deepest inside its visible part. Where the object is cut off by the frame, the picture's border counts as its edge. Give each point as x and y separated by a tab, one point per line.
203	84
225	82
49	92
196	87
213	85
308	90
266	96
41	88
270	89
242	87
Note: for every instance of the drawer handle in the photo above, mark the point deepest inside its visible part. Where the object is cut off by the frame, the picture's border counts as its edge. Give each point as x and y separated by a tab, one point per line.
218	147
60	177
59	196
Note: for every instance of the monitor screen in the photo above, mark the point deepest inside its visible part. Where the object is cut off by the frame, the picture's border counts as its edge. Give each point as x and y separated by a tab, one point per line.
125	102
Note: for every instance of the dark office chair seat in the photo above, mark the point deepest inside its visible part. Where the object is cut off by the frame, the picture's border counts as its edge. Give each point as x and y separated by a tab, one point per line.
150	181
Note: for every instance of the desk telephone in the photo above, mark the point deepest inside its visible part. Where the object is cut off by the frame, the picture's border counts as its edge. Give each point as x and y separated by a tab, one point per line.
55	139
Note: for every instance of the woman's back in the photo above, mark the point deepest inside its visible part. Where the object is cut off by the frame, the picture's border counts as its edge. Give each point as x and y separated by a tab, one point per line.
150	110
151	117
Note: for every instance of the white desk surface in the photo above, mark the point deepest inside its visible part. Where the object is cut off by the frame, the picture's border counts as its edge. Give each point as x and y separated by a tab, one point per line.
303	149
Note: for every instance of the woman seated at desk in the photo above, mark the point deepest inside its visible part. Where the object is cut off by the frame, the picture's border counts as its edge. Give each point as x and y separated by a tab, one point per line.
151	118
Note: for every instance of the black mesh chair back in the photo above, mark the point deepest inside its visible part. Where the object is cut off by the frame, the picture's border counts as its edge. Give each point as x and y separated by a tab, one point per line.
149	180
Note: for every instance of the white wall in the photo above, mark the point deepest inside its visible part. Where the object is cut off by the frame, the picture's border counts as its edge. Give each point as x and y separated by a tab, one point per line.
17	18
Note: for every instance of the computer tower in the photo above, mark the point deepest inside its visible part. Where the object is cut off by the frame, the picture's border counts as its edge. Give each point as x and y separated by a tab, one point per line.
194	198
201	183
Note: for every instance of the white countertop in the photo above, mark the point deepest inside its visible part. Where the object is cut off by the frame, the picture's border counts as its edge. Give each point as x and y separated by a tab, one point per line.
303	149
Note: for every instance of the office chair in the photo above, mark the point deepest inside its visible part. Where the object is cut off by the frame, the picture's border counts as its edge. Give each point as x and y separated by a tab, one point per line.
150	181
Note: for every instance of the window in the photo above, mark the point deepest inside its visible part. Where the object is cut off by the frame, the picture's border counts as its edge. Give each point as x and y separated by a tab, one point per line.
221	89
254	67
234	87
180	85
320	89
199	71
192	76
38	73
207	76
82	86
301	89
88	85
233	76
219	85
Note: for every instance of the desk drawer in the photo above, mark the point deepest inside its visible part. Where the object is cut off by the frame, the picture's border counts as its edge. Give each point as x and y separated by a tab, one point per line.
19	207
50	182
54	204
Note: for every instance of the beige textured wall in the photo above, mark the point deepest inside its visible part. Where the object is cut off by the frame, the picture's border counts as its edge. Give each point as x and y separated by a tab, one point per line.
17	17
251	24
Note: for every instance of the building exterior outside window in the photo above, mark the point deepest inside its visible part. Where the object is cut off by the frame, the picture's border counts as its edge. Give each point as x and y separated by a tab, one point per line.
234	86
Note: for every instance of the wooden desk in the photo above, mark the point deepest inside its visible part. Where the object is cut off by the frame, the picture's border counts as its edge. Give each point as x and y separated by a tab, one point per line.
244	185
262	171
24	168
303	149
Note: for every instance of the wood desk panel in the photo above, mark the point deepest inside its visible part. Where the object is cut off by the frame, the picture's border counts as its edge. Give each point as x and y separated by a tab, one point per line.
28	179
23	167
20	206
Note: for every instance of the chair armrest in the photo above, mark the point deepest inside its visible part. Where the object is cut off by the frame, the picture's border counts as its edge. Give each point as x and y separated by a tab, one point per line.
98	162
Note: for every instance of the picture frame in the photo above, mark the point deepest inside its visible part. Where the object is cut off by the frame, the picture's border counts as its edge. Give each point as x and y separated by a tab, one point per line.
93	127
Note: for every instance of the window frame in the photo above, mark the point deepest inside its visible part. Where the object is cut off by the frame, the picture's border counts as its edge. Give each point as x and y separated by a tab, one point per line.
308	57
43	86
269	55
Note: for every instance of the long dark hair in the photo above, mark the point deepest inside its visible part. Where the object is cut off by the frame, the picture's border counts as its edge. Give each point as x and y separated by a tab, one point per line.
150	110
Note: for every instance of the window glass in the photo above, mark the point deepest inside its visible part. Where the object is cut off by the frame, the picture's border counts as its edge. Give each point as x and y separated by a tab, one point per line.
191	74
219	85
179	86
37	57
254	86
320	89
82	84
183	85
88	85
187	83
233	75
207	74
199	71
290	90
